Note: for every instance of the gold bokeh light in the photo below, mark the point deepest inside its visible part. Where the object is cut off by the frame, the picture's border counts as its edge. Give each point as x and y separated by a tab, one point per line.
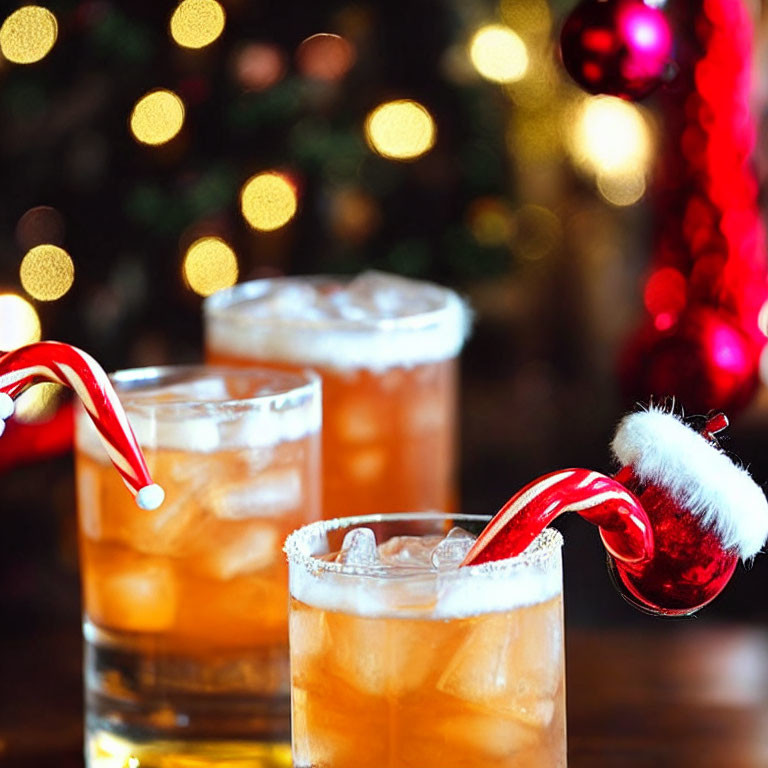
621	189
19	323
210	265
197	23
611	137
47	272
400	130
39	403
268	201
498	54
28	34
157	117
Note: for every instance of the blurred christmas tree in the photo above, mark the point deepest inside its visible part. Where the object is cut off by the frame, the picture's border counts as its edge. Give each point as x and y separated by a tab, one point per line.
378	137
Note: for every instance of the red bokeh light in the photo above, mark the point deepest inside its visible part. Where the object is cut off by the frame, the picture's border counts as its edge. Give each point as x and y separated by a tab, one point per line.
325	57
665	294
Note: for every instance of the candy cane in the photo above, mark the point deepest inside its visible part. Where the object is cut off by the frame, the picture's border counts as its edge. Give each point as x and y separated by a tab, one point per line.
624	525
63	364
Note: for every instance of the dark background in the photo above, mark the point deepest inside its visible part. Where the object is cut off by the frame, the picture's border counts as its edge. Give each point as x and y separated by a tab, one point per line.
498	210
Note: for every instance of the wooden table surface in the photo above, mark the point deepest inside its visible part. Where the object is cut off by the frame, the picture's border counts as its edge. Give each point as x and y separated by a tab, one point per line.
678	695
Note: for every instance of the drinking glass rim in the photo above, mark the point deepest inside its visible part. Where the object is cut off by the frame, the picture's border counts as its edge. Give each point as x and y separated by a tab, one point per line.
308	385
224	303
541	549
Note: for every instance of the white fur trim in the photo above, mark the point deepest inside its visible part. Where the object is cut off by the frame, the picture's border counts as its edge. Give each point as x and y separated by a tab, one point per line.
661	449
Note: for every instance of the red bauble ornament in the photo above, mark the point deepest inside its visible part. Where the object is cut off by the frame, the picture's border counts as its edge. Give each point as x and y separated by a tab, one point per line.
690	565
705	360
616	47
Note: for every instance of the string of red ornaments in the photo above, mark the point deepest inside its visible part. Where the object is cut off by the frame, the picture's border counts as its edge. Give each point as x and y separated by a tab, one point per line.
701	341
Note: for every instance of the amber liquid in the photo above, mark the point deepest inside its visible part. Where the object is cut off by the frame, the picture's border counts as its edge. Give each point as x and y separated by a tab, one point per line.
186	606
433	693
388	436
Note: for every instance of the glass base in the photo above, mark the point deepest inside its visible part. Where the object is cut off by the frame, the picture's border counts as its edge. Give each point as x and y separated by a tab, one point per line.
147	708
107	750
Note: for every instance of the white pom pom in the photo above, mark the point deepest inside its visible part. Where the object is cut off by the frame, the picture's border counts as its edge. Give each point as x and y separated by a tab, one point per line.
2	427
6	406
150	497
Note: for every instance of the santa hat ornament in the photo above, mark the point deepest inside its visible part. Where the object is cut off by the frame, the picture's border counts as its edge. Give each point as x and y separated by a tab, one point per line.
675	519
705	511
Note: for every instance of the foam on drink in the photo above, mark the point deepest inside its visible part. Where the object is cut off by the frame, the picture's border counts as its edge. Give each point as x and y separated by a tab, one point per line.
375	321
161	415
405	581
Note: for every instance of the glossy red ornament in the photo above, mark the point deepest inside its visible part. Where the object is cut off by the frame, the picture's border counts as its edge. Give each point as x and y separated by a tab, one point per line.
617	47
689	567
704	360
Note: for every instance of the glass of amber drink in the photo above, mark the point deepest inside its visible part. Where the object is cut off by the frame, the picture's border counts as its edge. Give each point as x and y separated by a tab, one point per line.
186	633
401	658
386	348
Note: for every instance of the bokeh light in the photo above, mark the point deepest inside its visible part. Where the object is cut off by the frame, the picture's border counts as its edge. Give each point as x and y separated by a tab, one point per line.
259	66
400	130
28	34
621	189
611	137
325	57
210	265
490	221
39	403
19	323
353	215
498	53
762	319
538	232
47	272
41	224
268	201
157	117
665	296
197	23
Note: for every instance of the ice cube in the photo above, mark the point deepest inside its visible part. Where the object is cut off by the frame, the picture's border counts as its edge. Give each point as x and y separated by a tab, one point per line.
380	657
485	735
243	551
267	494
358	548
409	550
287	299
384	295
178	527
451	551
136	597
339	302
200	434
511	663
308	635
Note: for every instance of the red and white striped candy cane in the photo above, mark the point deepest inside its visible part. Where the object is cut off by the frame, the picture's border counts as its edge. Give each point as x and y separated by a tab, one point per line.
63	364
624	524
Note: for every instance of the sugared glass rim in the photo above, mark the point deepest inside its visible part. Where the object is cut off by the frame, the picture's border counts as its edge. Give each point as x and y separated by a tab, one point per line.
296	388
541	550
224	304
